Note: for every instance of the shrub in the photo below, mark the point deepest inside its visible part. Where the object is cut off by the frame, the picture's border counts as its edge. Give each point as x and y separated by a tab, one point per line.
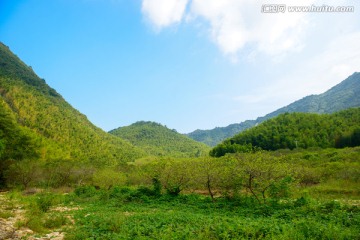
85	191
55	221
329	207
302	201
119	192
281	189
35	223
44	201
106	178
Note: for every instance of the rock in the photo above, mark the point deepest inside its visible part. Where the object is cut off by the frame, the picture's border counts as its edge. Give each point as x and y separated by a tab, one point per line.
6	231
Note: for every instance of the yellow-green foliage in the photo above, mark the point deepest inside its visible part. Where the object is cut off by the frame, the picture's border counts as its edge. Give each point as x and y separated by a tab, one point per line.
60	130
158	140
106	178
262	174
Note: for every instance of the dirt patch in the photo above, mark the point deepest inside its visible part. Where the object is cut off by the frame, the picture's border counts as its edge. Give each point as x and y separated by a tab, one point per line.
13	212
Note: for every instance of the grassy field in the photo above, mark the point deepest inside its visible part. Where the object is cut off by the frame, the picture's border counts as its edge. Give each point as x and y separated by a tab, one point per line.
135	213
302	194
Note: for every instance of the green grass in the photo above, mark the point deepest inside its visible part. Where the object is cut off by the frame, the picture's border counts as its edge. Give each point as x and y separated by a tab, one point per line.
38	215
6	214
140	213
324	203
196	217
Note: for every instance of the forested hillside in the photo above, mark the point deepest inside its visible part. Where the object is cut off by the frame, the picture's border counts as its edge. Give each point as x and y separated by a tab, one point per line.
158	140
340	97
218	134
35	117
302	130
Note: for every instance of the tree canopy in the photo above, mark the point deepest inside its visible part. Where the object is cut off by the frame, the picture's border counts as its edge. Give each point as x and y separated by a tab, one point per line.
158	140
296	130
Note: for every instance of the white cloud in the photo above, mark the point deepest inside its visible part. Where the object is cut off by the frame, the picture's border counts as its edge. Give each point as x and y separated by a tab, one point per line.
236	23
233	24
163	13
339	59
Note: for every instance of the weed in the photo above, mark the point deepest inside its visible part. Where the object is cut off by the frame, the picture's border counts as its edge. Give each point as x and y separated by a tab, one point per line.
6	214
44	201
55	221
35	223
20	224
85	191
196	217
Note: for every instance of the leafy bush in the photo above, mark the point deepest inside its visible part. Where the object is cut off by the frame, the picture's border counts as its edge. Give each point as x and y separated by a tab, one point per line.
281	189
302	201
330	206
119	192
106	178
85	191
55	221
44	201
35	223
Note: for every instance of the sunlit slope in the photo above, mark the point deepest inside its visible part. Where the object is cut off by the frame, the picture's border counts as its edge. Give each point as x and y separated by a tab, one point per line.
158	140
292	130
63	131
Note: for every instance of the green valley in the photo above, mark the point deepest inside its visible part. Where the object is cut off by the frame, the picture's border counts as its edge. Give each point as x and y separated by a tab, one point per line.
293	176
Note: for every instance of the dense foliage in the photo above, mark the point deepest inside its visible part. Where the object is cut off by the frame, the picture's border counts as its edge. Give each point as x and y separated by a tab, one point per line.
267	195
158	140
36	122
292	130
12	67
133	214
16	142
340	97
261	175
349	139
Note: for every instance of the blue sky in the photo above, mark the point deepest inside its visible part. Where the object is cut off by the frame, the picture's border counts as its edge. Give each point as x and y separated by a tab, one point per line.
187	64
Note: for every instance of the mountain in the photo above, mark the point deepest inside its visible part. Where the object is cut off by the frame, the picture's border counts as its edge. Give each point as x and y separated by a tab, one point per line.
158	140
292	130
48	126
218	134
342	96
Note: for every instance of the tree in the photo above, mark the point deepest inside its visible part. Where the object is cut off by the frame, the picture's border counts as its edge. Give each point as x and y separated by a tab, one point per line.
107	178
205	173
349	139
175	176
23	173
291	130
261	173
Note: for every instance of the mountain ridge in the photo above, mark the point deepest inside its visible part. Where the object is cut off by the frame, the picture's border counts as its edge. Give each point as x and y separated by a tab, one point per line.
297	130
63	131
344	95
